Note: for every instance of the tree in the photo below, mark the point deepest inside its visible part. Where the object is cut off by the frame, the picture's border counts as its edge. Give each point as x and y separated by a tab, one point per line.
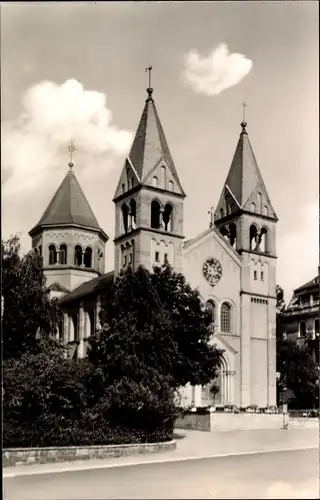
154	338
155	322
198	359
28	312
298	371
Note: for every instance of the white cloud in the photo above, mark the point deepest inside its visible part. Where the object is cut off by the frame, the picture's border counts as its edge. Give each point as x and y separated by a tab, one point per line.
217	72
34	146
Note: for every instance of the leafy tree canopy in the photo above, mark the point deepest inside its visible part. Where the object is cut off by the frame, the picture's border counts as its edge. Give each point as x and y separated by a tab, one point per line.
155	329
28	313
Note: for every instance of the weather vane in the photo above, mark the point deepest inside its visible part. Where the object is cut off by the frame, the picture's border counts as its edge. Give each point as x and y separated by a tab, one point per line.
244	105
149	69
211	213
71	149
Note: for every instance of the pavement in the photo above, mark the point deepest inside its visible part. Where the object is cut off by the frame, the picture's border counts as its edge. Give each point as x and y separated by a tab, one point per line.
280	474
191	444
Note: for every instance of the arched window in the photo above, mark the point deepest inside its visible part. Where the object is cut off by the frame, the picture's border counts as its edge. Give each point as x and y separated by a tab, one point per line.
233	235
40	250
170	186
265	210
225	320
253	237
63	254
163	177
224	230
233	207
253	207
155	181
88	257
52	255
123	188
132	182
128	178
263	240
167	217
211	308
316	327
260	203
78	255
221	212
302	329
133	213
125	216
155	214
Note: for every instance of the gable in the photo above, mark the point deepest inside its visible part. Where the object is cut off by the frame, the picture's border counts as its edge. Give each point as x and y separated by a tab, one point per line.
262	204
128	178
163	177
211	245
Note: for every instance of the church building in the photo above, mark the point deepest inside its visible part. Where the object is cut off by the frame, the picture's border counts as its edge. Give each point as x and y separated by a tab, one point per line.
232	263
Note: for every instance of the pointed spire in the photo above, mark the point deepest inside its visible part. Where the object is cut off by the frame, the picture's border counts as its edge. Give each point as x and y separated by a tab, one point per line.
150	146
244	180
69	206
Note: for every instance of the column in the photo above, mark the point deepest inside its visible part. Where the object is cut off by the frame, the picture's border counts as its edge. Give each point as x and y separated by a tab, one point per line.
65	337
58	256
71	330
245	394
81	352
86	325
193	395
97	321
197	395
161	223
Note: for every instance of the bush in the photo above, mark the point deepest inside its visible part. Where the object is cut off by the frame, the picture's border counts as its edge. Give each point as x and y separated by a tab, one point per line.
50	401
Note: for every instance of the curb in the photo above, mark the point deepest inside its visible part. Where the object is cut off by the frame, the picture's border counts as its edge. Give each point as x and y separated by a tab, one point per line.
84	467
13	457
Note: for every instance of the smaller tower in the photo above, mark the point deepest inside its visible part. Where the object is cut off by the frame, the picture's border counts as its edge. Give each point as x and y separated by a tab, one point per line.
149	199
69	238
246	218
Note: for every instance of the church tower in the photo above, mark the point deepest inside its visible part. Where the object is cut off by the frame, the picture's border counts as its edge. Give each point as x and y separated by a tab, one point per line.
69	238
246	218
148	200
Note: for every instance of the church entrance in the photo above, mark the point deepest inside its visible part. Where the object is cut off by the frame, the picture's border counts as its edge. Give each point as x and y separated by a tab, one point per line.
219	392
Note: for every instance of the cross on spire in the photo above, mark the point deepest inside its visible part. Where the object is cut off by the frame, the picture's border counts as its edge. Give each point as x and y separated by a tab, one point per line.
211	213
244	105
71	149
149	69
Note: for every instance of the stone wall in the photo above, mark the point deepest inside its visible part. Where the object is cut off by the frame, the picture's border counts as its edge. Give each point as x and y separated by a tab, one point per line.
230	421
27	456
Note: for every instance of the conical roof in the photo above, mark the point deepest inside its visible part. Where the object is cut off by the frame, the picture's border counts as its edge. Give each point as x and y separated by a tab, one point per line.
244	180
69	206
150	144
149	147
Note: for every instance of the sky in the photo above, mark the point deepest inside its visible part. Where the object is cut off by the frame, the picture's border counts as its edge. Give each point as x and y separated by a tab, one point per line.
77	71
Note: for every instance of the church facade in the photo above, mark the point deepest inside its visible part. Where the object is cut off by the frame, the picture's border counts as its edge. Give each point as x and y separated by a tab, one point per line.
232	263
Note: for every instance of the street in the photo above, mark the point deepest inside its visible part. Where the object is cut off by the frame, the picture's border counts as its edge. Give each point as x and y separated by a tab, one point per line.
287	474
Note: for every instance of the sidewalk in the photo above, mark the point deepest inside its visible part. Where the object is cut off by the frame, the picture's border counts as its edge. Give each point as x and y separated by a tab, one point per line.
191	445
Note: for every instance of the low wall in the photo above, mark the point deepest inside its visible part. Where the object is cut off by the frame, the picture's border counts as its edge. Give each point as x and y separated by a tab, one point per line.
304	423
27	456
230	421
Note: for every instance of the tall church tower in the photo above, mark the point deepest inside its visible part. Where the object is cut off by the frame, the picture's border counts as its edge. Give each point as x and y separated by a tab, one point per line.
246	218
69	238
148	200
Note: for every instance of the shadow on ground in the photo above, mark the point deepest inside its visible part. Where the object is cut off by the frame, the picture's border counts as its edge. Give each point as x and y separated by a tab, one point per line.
178	435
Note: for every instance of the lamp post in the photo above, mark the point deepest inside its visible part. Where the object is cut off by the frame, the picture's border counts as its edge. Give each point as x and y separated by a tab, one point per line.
281	390
278	376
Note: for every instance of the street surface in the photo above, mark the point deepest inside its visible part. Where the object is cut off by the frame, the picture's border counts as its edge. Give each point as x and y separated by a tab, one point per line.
281	474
